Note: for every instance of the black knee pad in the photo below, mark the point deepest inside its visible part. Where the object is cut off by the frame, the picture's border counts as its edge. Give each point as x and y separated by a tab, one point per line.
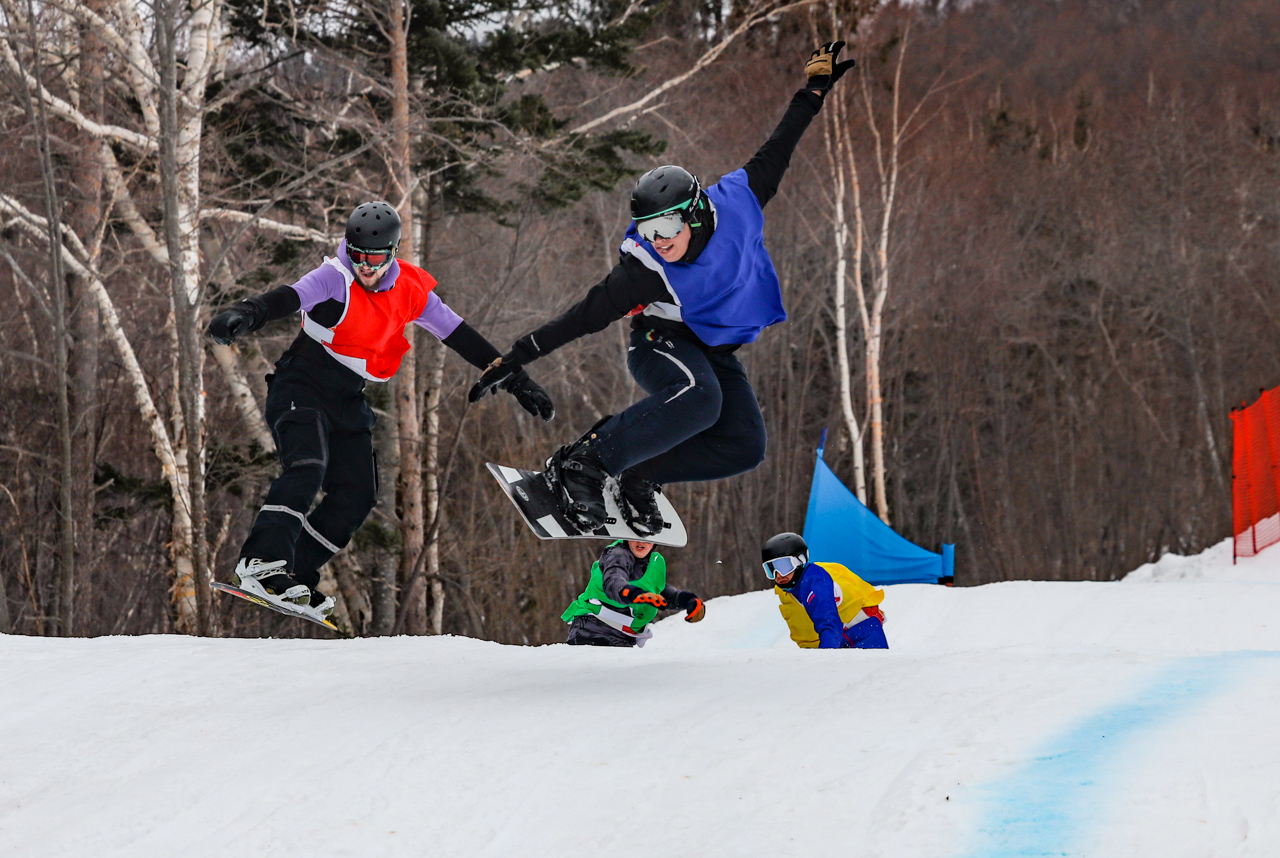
302	439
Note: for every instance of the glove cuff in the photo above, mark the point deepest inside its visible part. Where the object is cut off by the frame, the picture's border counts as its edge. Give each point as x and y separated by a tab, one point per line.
255	309
524	350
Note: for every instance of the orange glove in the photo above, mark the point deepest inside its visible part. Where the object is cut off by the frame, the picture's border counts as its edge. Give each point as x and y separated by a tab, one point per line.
633	595
692	606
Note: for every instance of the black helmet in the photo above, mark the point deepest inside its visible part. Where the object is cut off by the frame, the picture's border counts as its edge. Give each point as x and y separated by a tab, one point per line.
780	548
667	189
373	226
784	545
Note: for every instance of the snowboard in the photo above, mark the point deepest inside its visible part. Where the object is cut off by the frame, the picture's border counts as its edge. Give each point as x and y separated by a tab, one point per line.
538	506
279	609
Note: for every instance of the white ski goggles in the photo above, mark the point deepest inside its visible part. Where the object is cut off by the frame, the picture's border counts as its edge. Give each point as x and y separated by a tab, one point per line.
783	566
666	225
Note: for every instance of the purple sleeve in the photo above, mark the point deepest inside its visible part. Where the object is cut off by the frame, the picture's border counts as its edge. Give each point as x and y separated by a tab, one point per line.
438	318
320	284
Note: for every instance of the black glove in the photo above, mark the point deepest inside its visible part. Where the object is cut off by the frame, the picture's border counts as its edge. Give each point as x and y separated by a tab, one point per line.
497	373
505	369
633	595
823	70
528	393
693	607
229	324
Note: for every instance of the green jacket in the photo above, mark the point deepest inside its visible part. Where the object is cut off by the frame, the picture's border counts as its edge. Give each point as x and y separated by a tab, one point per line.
654	580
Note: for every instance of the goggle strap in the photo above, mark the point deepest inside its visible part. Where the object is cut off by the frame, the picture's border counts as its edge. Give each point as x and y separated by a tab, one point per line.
676	208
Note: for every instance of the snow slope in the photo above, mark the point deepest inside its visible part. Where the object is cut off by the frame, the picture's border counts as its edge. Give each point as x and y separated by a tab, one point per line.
1135	718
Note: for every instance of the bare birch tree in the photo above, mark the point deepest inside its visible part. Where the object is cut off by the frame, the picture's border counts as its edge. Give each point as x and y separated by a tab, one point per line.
872	239
122	28
58	303
843	167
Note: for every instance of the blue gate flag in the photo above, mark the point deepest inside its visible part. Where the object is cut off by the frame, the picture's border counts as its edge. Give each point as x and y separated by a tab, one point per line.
839	528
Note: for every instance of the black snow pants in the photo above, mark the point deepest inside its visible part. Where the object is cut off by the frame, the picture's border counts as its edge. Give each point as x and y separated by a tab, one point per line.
588	631
700	421
325	441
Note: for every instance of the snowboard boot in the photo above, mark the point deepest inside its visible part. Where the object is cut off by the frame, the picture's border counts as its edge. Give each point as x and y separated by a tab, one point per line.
268	580
320	605
638	501
577	476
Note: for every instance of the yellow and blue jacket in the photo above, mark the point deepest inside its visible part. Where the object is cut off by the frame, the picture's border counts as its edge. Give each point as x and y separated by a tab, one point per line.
827	600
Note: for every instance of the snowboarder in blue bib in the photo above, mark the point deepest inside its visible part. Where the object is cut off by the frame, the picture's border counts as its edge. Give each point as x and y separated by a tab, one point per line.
698	283
628	587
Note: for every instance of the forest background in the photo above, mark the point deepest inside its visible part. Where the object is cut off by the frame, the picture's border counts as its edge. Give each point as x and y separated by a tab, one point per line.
1072	230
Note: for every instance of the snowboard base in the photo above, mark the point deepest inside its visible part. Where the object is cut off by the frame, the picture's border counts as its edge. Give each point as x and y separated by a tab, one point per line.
540	509
279	609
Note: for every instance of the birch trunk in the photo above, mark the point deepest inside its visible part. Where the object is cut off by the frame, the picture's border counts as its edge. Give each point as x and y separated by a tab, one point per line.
179	178
127	39
86	215
888	155
433	489
181	123
382	578
412	528
839	157
37	111
431	365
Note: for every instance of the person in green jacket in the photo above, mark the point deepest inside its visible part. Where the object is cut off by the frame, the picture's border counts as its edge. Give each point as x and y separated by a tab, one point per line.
628	587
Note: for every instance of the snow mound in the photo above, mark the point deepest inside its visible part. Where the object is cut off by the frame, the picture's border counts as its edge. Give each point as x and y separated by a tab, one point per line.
1212	564
1020	718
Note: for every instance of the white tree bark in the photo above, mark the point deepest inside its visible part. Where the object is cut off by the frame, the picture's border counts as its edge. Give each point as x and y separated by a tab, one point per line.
888	148
122	28
161	443
844	170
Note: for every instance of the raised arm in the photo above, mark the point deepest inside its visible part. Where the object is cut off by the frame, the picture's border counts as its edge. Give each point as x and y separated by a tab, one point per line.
770	162
766	167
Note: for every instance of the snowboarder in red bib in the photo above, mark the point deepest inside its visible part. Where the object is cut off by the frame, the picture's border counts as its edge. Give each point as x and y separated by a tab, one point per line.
355	306
628	587
698	284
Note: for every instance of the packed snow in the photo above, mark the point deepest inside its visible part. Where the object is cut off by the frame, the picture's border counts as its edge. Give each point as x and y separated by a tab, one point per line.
1136	718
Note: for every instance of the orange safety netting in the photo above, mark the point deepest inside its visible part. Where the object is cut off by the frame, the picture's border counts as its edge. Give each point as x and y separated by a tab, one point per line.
1255	470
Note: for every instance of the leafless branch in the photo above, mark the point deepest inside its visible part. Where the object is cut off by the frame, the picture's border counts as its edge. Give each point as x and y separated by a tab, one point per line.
760	12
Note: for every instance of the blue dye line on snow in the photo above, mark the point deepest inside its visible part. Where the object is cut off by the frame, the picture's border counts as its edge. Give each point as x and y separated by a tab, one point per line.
1046	807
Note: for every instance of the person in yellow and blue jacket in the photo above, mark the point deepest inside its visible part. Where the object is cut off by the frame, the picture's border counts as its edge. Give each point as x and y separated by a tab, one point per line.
825	605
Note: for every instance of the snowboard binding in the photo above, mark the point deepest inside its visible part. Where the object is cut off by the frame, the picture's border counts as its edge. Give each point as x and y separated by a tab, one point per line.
638	500
576	476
